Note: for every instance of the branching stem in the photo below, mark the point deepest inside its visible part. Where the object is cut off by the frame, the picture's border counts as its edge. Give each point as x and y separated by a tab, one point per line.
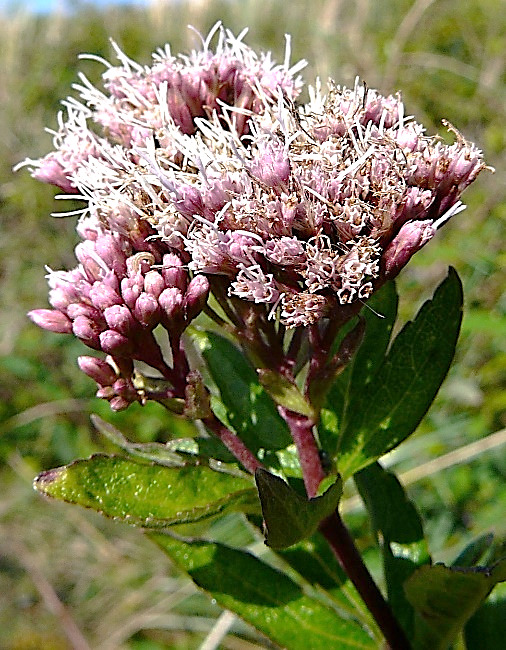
234	444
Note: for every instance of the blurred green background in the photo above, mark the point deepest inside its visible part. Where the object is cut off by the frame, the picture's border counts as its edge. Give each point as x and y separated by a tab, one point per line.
69	579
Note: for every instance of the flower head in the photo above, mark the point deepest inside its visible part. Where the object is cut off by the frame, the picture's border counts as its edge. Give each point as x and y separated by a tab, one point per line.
319	201
207	176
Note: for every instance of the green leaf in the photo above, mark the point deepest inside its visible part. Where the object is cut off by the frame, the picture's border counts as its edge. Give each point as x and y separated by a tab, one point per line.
444	599
370	355
286	461
398	531
153	496
474	551
284	392
314	560
203	449
348	387
486	629
153	451
399	394
247	407
392	513
264	597
288	516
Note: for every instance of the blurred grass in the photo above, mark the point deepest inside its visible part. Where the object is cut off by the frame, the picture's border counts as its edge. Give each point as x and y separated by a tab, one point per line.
448	58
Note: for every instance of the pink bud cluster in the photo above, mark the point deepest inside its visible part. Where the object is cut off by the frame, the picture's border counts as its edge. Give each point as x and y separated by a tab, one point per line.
113	301
115	384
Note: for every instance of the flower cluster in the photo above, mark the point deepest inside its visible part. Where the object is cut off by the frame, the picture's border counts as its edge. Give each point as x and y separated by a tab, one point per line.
139	101
207	171
113	301
318	206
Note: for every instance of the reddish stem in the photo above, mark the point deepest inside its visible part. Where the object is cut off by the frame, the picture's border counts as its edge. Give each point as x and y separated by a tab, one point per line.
349	558
301	428
234	444
180	365
333	528
338	536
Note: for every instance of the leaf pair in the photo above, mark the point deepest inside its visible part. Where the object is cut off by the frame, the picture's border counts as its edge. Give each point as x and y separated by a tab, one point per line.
162	498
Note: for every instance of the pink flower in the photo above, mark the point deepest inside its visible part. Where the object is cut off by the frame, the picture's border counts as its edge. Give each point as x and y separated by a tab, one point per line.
316	198
74	143
210	177
188	88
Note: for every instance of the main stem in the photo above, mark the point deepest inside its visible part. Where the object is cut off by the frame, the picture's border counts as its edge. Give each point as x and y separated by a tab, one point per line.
337	534
349	558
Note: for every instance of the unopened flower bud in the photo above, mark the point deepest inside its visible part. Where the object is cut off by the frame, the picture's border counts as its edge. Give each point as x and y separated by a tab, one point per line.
131	289
105	392
147	310
154	283
171	301
110	251
120	319
103	296
60	299
81	309
173	272
88	331
52	320
195	297
119	404
115	343
124	388
92	265
98	370
410	238
65	287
